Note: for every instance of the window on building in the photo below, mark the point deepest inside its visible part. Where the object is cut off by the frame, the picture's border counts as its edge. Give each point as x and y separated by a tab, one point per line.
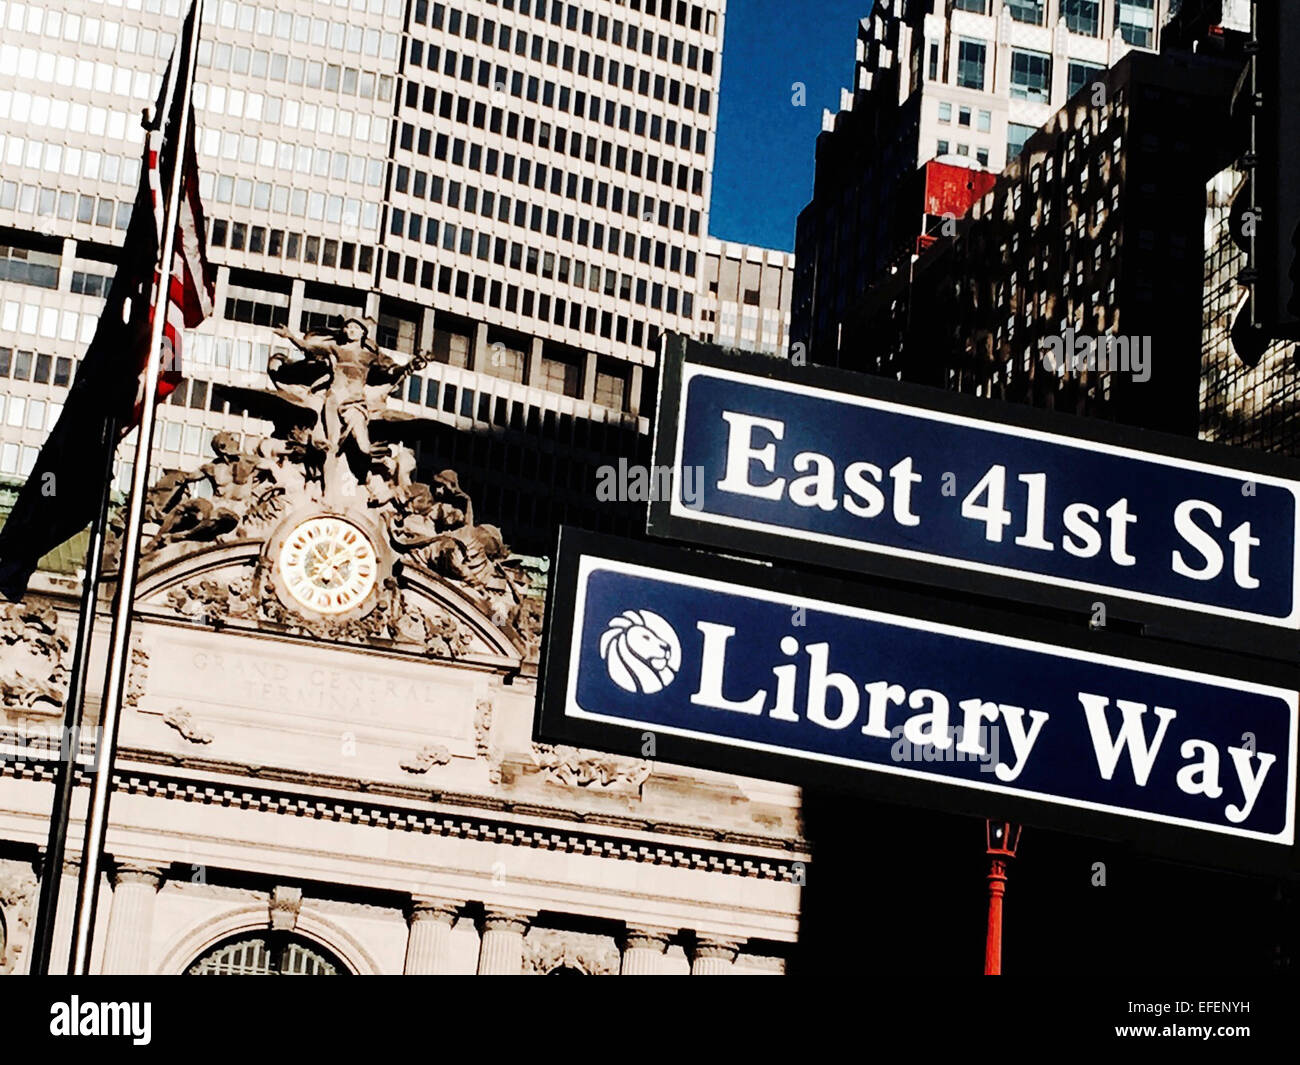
29	267
934	61
1082	16
980	7
1031	76
970	63
559	375
610	390
941	148
270	953
982	155
1017	134
450	348
985	121
963	116
1079	75
1136	20
1030	11
945	112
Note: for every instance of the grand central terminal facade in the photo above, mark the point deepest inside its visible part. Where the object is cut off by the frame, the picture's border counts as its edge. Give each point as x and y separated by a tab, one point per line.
326	762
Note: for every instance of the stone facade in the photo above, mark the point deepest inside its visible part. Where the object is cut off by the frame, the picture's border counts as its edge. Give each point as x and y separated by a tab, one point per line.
328	743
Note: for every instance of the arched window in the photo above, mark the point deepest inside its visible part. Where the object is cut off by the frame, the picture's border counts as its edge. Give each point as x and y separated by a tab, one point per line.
269	953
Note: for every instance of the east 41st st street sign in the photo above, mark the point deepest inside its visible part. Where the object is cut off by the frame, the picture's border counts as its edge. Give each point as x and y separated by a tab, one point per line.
868	476
741	668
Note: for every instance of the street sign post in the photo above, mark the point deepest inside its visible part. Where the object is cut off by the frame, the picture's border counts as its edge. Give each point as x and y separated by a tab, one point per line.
739	667
869	476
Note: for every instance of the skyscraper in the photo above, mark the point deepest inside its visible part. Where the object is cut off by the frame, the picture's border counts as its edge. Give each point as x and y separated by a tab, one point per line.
518	188
966	82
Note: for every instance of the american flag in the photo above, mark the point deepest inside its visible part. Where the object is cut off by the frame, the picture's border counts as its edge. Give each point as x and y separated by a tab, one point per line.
190	287
61	494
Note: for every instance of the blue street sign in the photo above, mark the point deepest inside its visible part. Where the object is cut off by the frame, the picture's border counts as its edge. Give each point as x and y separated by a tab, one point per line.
734	660
809	465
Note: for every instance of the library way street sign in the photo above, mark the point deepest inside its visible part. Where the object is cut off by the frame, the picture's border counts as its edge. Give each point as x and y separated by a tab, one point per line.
737	667
869	476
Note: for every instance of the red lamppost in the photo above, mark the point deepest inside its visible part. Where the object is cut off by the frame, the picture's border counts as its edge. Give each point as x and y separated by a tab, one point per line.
1003	837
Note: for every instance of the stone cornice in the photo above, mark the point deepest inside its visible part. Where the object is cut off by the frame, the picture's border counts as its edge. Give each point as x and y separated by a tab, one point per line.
386	810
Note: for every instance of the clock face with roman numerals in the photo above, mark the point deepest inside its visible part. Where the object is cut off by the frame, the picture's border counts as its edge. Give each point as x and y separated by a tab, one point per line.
328	565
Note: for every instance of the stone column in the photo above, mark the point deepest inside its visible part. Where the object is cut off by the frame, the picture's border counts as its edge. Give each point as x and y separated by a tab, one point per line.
712	956
428	939
642	950
501	951
425	344
533	373
589	376
635	373
479	351
67	261
130	921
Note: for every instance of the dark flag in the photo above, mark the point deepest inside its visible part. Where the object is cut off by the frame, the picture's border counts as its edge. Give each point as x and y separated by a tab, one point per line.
62	493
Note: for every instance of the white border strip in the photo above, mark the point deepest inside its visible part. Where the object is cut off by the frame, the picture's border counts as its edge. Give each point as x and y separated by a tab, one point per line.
678	509
590	563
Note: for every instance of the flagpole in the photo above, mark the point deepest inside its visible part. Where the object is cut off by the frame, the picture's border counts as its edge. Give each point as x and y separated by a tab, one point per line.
119	659
73	710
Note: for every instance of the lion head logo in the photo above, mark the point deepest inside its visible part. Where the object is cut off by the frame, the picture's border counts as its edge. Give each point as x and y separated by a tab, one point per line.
641	652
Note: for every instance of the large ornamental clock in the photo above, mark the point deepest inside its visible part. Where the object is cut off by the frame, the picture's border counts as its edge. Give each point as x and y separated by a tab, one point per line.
327	564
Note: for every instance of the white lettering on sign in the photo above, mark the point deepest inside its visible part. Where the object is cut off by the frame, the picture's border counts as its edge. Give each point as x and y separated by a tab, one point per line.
1023	508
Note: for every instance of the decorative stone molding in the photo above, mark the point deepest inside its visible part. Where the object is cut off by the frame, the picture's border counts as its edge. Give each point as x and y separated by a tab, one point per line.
712	955
577	768
18	890
423	908
285	905
130	871
183	722
387	813
546	950
33	670
336	446
137	680
426	758
646	938
483	748
503	920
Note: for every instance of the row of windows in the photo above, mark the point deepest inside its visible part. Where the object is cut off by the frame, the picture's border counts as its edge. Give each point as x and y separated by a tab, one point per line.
573	18
572	186
486	31
1135	19
964	116
576	101
296	247
74	162
530	304
27	267
943	147
304	30
106	33
532	261
295	70
50	323
48	203
36	367
291	113
354	215
297	158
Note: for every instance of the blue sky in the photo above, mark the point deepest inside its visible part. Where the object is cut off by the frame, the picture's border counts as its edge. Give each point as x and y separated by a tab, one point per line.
763	168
